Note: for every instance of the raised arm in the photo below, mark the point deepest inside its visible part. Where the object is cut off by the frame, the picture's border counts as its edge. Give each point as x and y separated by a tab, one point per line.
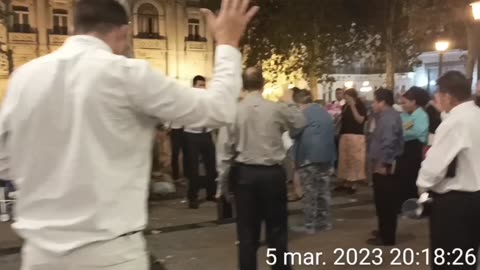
163	98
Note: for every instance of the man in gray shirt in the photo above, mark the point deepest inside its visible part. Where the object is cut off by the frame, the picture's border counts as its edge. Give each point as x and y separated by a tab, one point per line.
386	145
250	153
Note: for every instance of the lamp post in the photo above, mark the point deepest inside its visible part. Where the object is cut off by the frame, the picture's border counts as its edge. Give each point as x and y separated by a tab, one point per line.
441	46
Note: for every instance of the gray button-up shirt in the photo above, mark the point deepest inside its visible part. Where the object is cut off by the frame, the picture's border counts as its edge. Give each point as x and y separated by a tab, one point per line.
256	136
386	142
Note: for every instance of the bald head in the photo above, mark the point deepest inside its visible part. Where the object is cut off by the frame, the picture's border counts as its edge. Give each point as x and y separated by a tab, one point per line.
253	79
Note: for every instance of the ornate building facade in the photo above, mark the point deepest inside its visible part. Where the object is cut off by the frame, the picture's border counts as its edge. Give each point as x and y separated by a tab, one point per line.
170	34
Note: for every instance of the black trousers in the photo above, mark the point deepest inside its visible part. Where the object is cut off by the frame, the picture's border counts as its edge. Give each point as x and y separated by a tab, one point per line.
200	146
177	141
261	195
455	224
408	166
387	204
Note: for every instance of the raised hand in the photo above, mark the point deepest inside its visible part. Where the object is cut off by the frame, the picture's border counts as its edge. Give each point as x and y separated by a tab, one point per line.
229	26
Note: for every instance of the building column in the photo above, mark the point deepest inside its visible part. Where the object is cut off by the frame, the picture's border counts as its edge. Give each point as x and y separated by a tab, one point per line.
42	26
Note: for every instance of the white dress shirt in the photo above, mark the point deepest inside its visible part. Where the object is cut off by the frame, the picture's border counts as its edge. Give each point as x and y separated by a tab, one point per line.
457	137
76	133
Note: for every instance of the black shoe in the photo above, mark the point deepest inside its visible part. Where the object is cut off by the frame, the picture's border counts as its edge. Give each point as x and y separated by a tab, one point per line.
378	242
155	264
211	199
339	189
193	204
351	191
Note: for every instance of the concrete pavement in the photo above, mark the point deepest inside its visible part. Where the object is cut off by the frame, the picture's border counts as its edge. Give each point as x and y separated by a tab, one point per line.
190	239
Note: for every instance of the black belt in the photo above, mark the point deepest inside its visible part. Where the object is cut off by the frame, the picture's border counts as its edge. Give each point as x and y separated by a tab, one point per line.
257	165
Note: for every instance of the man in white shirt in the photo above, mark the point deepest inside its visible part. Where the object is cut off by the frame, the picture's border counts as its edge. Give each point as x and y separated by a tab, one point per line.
451	172
76	133
199	148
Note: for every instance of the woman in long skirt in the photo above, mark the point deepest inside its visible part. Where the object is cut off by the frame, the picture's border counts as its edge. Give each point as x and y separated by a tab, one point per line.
352	145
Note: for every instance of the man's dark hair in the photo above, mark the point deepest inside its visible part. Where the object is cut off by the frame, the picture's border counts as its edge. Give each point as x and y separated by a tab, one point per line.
419	95
383	94
302	97
100	16
338	90
253	79
198	78
456	85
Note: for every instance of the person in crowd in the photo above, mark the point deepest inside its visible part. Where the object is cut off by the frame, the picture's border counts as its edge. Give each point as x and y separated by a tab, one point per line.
76	132
315	154
433	111
385	148
352	146
251	154
200	153
177	146
451	173
415	134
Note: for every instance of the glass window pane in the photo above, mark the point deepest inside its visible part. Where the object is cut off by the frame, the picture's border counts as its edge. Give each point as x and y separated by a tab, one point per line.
16	18
25	19
64	21
56	21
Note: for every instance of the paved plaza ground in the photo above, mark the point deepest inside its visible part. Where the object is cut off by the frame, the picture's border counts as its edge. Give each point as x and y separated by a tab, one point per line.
187	239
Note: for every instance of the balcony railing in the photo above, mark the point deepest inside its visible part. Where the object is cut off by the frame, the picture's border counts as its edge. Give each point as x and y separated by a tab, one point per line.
56	40
195	38
25	38
149	36
157	44
196	46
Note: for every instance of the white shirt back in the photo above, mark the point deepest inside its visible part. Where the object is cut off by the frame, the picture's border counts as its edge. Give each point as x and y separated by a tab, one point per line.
457	137
76	135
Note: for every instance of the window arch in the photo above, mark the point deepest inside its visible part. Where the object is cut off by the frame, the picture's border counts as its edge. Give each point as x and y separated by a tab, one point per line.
148	21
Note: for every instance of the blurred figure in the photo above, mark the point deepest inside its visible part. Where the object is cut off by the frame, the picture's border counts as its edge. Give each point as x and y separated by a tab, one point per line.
385	148
352	146
415	134
451	173
251	154
314	157
76	132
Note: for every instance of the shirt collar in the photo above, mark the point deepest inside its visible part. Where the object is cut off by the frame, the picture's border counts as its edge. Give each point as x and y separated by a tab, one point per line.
87	40
461	107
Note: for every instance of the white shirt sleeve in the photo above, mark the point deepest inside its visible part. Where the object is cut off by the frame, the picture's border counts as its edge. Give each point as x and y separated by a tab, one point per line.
164	98
449	142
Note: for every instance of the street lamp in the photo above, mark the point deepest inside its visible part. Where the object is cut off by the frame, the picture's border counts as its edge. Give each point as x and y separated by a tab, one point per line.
476	10
441	46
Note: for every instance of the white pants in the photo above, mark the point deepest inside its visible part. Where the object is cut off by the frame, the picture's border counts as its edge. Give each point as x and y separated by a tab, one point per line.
124	253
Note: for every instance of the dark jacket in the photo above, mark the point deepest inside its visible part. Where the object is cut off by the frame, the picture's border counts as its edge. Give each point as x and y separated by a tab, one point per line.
315	143
386	141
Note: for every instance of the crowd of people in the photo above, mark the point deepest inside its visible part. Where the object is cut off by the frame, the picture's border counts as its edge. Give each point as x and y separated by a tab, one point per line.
76	149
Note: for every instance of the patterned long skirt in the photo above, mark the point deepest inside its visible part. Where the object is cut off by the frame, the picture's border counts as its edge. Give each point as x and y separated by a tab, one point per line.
352	158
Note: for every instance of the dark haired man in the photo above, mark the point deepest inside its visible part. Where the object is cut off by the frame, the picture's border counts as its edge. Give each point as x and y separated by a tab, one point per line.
254	146
76	133
386	145
451	172
199	149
